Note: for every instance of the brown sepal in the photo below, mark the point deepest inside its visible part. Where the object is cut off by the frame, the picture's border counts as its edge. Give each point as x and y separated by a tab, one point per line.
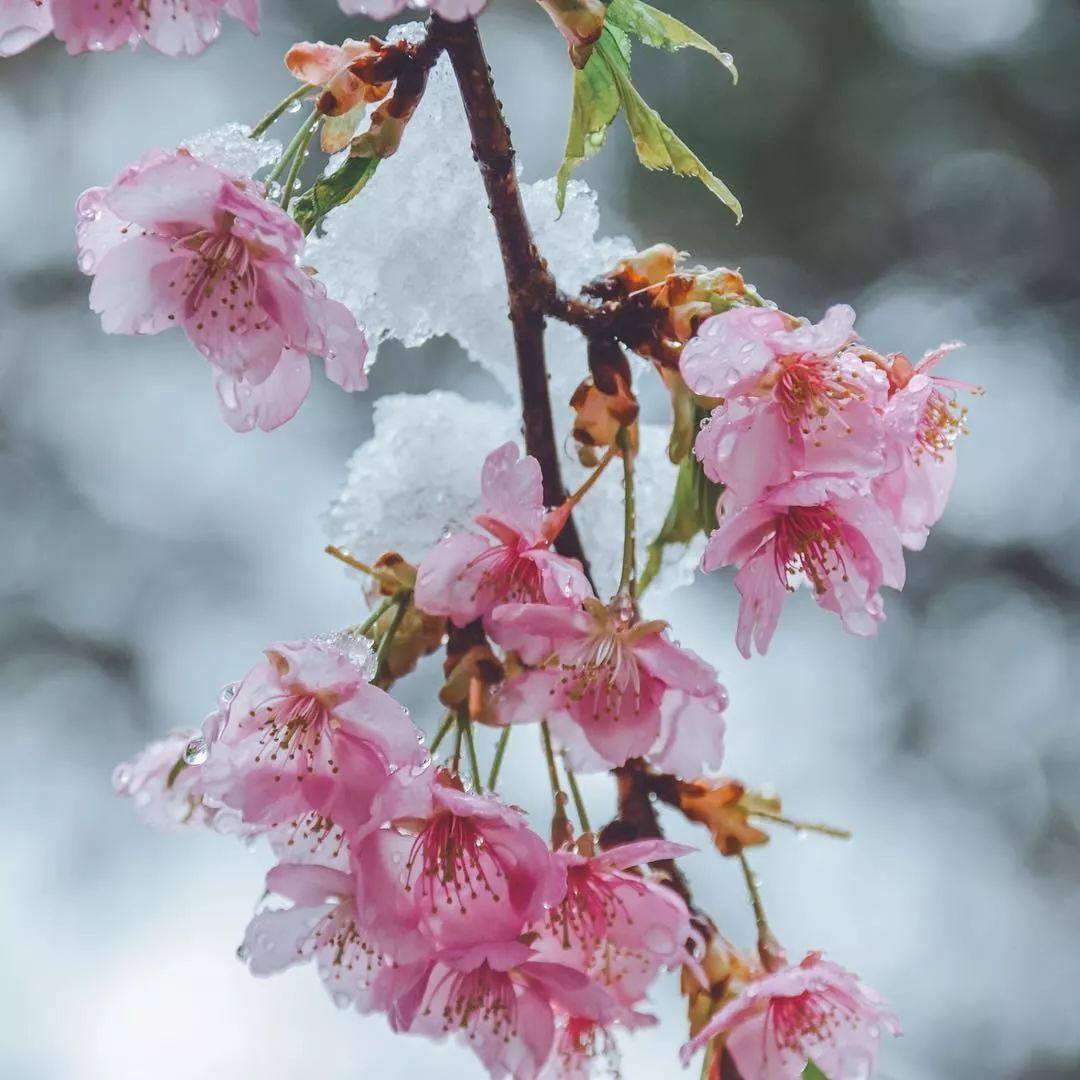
724	808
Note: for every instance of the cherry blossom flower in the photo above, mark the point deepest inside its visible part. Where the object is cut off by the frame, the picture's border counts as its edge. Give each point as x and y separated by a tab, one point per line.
322	925
497	997
601	672
173	27
466	575
827	528
454	10
177	241
620	928
463	869
813	1011
795	400
23	23
922	423
307	732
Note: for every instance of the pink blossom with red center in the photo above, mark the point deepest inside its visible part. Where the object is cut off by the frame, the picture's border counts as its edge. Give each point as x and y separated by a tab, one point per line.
454	868
466	574
175	241
923	420
600	674
499	999
173	27
321	925
307	732
813	1011
620	928
795	400
454	10
828	529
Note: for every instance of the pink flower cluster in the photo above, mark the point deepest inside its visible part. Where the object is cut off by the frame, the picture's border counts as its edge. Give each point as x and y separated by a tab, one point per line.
611	686
174	241
172	27
416	898
833	459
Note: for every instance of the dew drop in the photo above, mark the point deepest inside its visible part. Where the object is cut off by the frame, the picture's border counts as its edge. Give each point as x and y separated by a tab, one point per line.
196	751
294	107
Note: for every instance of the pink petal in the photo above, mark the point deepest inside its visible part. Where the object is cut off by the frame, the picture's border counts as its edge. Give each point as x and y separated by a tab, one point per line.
308	884
450	578
728	349
131	289
761	599
276	940
748	446
675	666
562	580
738	536
22	23
535	631
347	349
175	196
691	733
641	853
269	404
513	490
825	338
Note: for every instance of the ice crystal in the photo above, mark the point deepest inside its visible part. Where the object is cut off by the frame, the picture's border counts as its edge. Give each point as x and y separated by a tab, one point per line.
229	147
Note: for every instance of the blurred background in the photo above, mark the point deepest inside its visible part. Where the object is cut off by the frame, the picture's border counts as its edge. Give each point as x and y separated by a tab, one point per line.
917	158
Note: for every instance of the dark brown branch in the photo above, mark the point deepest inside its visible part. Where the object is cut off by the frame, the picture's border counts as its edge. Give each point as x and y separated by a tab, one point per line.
528	281
533	294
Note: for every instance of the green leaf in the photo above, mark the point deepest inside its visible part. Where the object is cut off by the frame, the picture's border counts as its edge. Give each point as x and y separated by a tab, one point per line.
812	1072
663	31
690	513
601	89
334	190
658	147
595	105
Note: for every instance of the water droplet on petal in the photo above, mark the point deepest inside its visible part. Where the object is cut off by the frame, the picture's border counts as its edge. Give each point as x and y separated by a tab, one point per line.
196	751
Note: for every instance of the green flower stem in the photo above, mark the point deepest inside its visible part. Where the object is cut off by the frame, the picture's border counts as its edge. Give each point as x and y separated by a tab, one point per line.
299	143
549	754
470	746
579	802
803	826
500	753
278	111
628	577
444	730
365	628
402	600
298	162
